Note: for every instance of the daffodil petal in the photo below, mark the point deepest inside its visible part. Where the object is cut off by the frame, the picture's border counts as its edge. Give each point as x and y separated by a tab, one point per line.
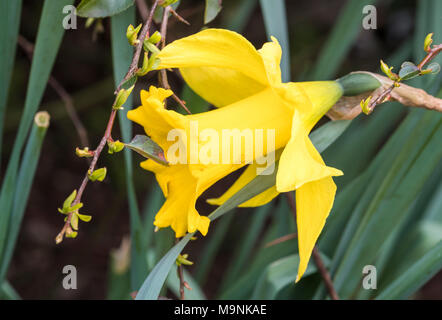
314	201
215	48
300	162
220	86
271	55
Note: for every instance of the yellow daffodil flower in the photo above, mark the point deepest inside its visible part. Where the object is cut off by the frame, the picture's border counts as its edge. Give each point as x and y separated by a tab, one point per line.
245	84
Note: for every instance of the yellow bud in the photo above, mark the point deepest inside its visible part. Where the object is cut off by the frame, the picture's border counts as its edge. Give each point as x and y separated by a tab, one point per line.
428	41
364	105
132	34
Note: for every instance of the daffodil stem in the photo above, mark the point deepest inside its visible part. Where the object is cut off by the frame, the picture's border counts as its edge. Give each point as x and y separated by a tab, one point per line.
315	253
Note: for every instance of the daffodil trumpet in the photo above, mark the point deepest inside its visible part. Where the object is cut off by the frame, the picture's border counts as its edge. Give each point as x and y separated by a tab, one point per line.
245	85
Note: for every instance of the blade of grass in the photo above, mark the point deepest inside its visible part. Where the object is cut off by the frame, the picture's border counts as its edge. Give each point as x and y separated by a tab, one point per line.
404	180
8	292
415	276
122	56
9	24
23	187
49	36
275	21
244	250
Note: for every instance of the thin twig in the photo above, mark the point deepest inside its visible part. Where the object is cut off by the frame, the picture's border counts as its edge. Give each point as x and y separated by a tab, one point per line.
324	274
107	134
133	68
163	72
28	47
143	9
279	240
316	257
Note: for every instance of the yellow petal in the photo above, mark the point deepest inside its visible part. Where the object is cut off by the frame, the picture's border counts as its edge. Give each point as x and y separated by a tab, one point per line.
271	55
314	201
215	48
220	86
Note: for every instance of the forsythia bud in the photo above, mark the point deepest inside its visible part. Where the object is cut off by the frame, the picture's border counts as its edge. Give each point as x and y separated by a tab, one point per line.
428	41
145	68
364	105
155	38
166	3
182	259
387	70
132	34
84	153
97	175
122	96
115	146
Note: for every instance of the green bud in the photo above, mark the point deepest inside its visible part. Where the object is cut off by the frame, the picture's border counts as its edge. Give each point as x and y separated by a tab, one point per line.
115	146
155	38
364	105
74	221
132	34
387	70
166	3
150	47
84	217
84	153
89	22
122	96
67	203
182	260
70	233
428	41
97	175
145	68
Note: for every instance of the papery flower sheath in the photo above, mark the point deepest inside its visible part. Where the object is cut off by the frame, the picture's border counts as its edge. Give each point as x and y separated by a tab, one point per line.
245	84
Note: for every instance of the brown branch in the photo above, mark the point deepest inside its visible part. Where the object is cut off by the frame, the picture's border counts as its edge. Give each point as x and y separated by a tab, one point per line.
107	134
324	274
433	52
315	253
143	9
133	68
281	239
163	72
28	47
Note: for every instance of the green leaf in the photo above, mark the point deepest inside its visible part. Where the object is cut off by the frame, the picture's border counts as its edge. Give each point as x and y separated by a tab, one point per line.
405	178
84	217
213	7
151	287
102	8
147	148
280	274
408	72
246	245
49	36
8	292
9	24
415	276
25	177
98	174
121	58
67	203
275	21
